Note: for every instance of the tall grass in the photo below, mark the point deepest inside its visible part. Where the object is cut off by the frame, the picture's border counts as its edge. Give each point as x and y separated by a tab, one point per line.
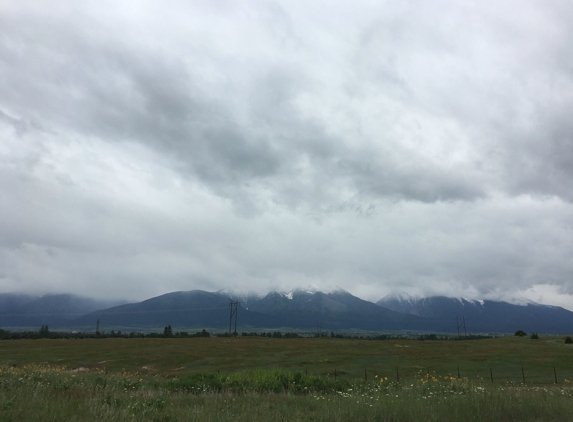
258	381
54	393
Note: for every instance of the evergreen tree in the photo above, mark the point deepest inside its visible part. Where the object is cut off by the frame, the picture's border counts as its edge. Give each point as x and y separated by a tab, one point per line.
44	331
168	331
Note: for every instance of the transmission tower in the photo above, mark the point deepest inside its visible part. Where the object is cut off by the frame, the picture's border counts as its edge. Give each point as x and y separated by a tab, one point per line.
233	312
461	322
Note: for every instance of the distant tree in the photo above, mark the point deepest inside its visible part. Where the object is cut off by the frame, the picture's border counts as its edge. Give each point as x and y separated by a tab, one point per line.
168	331
568	340
534	336
291	335
44	331
520	333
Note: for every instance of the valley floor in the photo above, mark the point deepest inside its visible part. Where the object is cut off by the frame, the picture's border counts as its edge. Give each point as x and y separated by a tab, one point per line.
210	379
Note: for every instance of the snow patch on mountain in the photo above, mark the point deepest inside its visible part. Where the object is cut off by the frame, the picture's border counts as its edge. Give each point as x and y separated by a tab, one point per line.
401	297
311	290
245	297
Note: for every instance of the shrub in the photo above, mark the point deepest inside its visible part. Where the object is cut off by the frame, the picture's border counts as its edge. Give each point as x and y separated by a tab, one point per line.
520	333
568	340
534	336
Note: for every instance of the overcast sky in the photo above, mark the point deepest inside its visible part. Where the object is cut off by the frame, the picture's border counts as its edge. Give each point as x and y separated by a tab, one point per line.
379	146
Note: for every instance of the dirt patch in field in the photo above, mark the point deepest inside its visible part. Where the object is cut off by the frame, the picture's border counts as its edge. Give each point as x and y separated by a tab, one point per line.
81	369
149	368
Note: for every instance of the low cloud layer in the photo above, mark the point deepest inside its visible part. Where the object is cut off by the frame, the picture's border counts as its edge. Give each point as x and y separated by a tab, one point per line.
413	146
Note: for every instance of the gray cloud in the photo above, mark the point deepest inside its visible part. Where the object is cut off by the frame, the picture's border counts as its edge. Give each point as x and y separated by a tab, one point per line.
414	146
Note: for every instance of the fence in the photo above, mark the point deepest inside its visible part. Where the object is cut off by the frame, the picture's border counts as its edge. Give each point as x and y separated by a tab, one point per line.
495	373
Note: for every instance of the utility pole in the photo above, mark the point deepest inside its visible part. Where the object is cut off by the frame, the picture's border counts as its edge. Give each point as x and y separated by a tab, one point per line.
319	330
233	311
461	323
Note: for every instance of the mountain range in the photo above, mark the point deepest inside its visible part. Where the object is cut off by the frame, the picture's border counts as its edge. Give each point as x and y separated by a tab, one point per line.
483	315
21	310
306	310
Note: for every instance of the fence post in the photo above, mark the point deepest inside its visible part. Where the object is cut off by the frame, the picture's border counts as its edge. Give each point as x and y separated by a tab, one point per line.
491	374
523	375
397	375
458	372
555	373
365	375
335	372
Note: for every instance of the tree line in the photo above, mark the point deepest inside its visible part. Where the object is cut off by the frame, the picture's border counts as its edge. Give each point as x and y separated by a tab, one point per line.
44	332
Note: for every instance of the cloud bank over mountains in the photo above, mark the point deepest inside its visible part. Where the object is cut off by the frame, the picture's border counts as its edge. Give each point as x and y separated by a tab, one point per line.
419	147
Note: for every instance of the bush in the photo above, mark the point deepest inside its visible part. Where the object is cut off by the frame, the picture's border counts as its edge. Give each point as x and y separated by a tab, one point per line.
520	333
534	336
568	340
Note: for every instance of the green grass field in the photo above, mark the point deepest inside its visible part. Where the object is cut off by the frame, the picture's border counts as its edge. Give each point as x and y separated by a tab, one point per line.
321	356
285	379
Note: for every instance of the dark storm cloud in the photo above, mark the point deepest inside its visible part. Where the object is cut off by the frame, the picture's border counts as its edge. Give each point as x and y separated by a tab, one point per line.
80	79
107	90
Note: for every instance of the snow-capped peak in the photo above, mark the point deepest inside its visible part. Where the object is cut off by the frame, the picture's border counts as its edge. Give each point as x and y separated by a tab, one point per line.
311	290
243	297
401	297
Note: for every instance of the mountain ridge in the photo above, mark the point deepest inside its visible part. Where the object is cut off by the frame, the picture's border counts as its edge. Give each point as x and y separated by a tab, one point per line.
486	315
302	309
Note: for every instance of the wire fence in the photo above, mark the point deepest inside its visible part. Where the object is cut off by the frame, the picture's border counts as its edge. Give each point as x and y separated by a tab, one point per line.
495	374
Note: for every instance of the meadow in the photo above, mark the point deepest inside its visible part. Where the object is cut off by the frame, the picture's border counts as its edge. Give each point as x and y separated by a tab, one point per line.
314	379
